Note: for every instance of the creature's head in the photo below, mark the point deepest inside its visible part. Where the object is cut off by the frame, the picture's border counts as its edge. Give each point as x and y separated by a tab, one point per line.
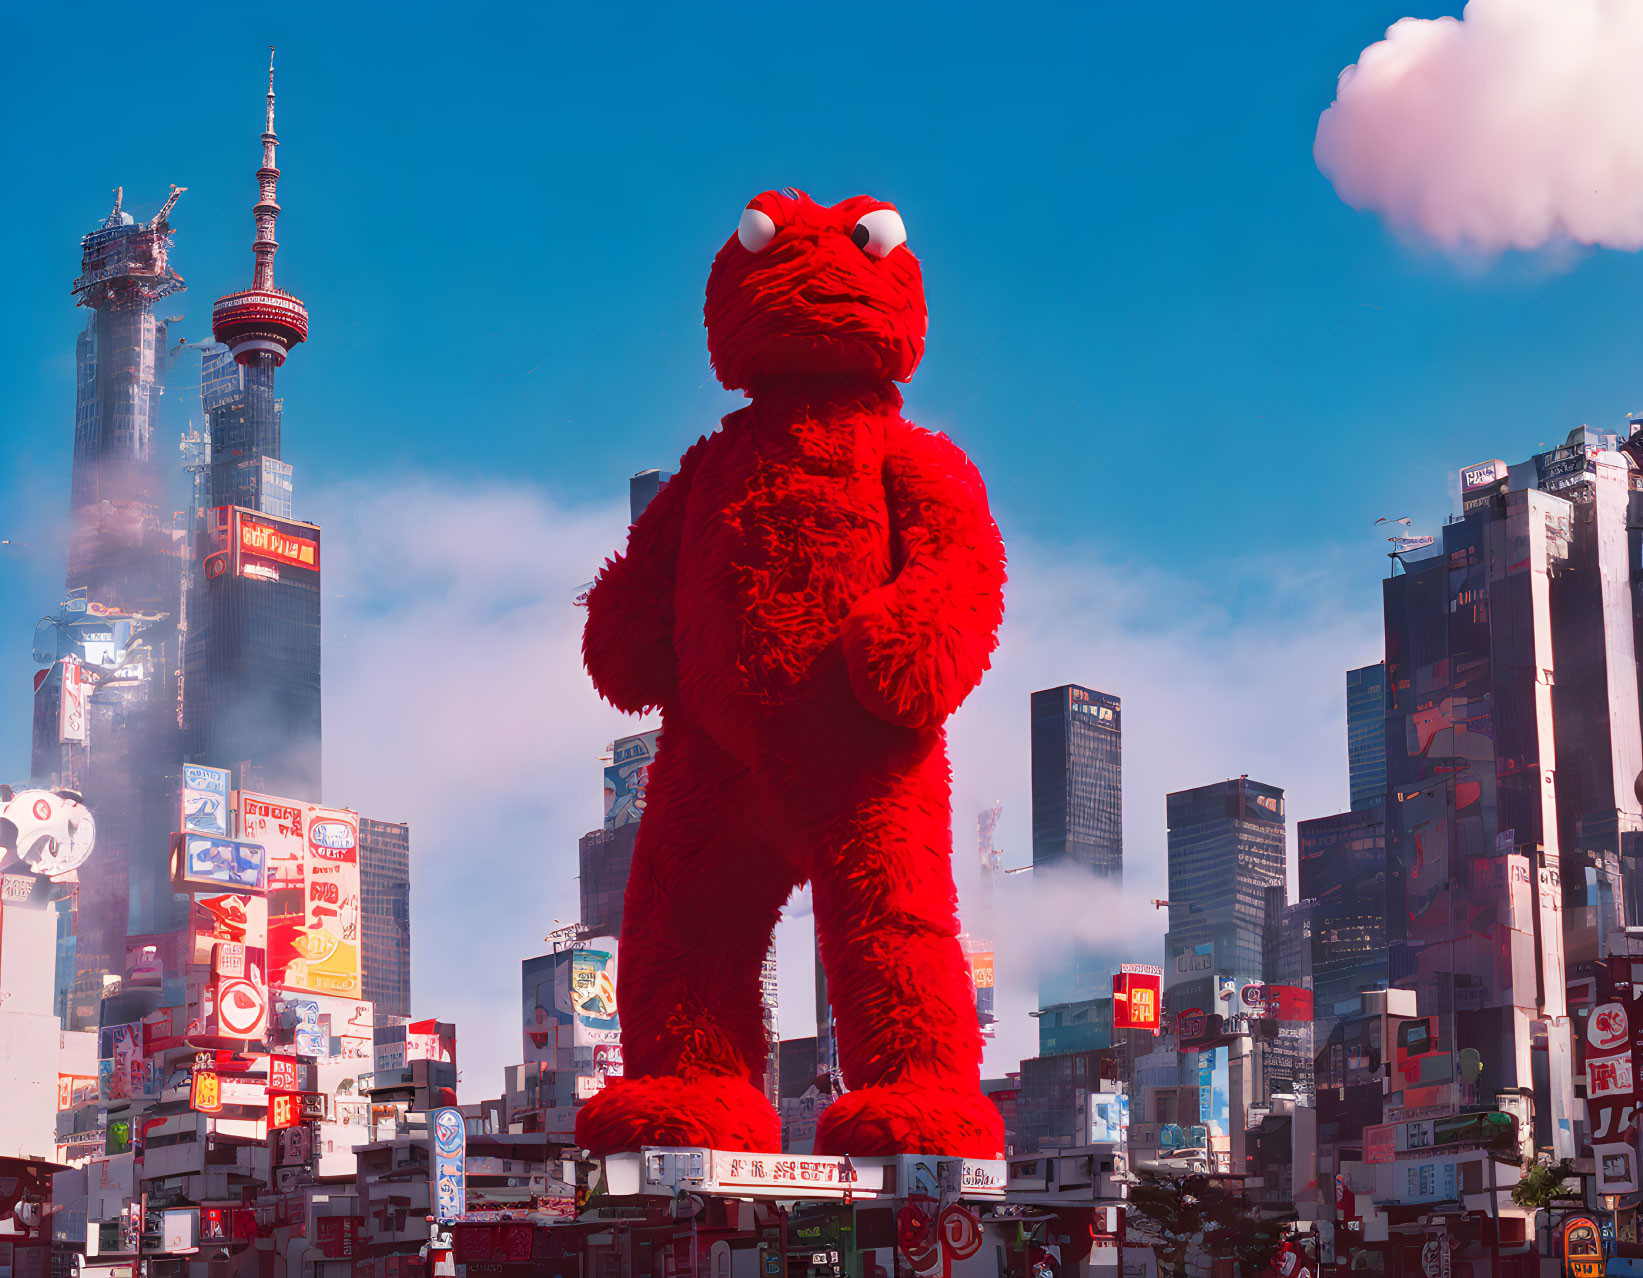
809	291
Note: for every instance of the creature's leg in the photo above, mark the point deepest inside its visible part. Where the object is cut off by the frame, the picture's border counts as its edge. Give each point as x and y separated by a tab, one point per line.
886	912
702	900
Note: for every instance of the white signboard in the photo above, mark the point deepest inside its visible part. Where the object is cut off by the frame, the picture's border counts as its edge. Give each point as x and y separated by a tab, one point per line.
788	1176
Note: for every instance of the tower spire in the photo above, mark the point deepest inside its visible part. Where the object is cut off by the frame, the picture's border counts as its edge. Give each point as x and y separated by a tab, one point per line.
267	209
262	320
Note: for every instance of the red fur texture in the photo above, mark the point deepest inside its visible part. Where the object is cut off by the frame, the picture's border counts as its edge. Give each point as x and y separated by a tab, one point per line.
813	593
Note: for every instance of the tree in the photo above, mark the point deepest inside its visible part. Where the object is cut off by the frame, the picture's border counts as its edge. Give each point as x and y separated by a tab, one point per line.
1544	1182
1181	1213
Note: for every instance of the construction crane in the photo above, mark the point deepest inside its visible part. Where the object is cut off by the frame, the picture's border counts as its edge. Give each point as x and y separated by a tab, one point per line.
165	209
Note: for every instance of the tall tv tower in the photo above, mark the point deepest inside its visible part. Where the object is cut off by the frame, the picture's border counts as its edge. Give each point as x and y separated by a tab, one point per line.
260	325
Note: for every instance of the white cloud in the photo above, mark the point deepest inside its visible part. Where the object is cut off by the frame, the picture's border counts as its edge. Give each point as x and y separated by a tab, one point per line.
1513	127
456	700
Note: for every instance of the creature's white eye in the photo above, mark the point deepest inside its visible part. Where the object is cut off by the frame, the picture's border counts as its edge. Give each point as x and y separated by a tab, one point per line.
755	230
880	231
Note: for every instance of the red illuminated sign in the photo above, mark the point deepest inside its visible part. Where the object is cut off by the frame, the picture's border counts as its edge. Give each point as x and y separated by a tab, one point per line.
269	542
284	1111
1135	1000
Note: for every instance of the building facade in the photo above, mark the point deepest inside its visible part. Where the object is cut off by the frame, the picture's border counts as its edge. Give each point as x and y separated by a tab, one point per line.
1366	734
1078	823
1227	845
385	914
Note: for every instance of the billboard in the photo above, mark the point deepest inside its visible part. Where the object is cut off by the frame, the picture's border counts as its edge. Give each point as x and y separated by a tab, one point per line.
205	860
313	891
1481	475
205	799
592	995
76	695
327	949
627	777
238	1007
279	825
263	540
1214	1093
450	1167
1135	996
228	916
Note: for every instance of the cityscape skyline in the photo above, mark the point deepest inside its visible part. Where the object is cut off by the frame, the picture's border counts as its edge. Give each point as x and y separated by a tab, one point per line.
1030	526
1296	803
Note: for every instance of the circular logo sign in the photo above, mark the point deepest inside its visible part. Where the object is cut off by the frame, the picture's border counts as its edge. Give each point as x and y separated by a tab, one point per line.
240	1009
448	1131
1607	1027
960	1232
42	810
1253	995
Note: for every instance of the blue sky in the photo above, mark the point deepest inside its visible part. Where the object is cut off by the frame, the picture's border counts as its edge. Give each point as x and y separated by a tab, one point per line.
1173	352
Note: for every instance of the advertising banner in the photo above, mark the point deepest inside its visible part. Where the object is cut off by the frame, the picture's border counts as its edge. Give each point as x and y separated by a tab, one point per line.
76	696
239	1008
205	860
1135	996
205	799
327	948
280	826
1214	1091
122	1045
450	1168
627	778
228	916
592	995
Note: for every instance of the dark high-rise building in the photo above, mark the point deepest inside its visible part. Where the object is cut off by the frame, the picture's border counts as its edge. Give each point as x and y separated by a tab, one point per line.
105	709
385	914
1343	869
1366	734
1226	848
642	490
252	668
1285	1062
604	858
1078	821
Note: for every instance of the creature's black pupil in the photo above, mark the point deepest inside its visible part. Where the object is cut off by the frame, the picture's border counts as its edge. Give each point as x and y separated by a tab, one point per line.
859	236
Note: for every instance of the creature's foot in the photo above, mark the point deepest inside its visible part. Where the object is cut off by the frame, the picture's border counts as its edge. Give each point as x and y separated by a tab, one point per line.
911	1118
718	1112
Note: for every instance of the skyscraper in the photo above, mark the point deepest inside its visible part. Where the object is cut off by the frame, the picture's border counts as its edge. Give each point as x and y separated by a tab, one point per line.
385	914
105	711
1366	734
1343	868
252	669
1513	746
1226	847
1078	821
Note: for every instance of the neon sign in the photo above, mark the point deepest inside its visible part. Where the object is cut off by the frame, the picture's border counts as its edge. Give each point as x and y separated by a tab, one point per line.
270	543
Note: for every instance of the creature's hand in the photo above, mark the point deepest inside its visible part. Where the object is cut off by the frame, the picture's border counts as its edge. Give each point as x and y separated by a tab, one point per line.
627	644
916	647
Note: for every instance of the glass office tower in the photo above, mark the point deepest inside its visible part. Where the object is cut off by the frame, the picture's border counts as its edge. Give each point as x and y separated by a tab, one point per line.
1078	823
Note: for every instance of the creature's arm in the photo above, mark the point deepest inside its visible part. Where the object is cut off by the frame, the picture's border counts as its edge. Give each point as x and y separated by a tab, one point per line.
916	647
627	644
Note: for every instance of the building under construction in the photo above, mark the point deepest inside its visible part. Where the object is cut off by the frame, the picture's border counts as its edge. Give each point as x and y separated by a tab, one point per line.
106	703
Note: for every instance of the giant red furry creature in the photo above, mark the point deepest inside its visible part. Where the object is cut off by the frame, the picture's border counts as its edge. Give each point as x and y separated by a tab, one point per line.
817	588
